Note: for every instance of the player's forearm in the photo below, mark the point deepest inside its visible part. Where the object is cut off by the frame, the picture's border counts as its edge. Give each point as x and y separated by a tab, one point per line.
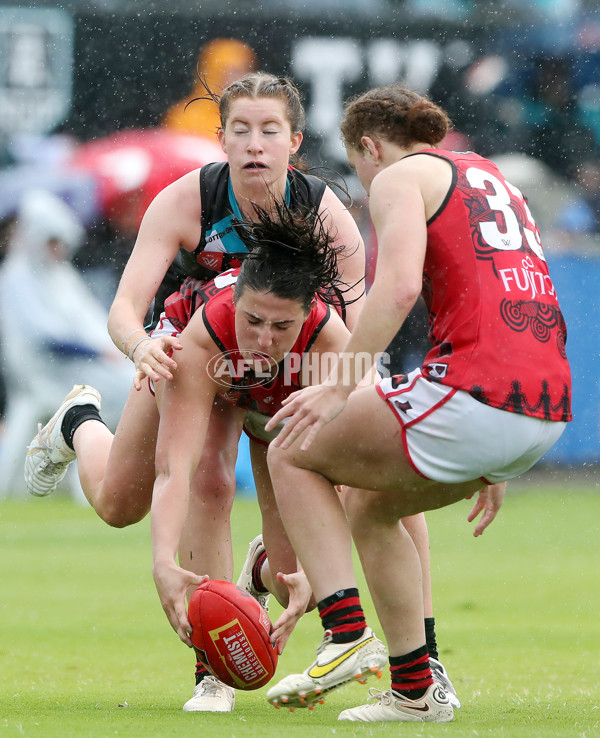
125	323
167	516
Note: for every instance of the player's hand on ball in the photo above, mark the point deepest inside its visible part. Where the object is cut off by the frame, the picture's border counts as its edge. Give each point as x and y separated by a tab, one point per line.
299	596
230	632
172	584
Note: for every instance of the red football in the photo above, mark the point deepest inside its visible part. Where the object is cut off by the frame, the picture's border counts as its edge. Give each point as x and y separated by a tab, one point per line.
231	632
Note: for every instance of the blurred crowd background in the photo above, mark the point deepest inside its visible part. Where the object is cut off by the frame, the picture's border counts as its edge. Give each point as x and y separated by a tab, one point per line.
93	123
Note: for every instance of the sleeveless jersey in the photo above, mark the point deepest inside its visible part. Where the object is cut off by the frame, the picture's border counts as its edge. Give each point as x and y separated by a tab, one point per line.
495	323
249	390
220	247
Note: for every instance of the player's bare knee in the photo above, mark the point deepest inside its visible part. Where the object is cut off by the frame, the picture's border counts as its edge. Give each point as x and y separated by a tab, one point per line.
277	458
362	505
117	515
215	489
219	471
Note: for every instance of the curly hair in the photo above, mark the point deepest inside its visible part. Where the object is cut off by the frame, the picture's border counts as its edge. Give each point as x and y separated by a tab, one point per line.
395	114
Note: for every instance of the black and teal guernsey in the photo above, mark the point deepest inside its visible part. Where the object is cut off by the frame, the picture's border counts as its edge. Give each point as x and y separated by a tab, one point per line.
220	247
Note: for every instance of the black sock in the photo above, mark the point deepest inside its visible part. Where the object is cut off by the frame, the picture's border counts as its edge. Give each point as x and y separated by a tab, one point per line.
430	638
201	670
74	417
342	614
411	674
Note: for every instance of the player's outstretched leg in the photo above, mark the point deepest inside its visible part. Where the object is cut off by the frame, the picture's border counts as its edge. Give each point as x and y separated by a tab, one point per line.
254	559
48	454
433	707
335	665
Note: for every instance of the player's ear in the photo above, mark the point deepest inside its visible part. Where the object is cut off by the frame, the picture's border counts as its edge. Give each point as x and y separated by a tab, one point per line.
295	143
370	148
221	138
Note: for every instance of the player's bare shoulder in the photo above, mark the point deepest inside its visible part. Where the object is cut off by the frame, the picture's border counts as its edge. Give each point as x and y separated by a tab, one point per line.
431	176
178	207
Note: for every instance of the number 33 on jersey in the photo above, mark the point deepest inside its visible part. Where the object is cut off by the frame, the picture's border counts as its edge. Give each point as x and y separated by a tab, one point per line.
495	273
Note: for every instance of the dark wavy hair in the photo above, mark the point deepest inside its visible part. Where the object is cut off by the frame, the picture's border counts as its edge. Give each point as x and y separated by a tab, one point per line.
292	255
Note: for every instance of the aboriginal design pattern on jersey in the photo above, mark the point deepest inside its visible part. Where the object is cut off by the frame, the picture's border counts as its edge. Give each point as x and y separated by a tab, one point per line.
495	322
540	319
516	401
181	305
500	218
500	221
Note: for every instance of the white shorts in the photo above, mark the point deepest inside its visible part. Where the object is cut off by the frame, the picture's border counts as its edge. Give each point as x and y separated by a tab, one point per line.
449	436
164	327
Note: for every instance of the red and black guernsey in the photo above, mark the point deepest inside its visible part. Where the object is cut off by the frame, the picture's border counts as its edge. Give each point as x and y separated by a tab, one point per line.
495	322
246	391
194	293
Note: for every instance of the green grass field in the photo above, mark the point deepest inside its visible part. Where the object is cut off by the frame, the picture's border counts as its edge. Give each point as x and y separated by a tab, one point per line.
85	649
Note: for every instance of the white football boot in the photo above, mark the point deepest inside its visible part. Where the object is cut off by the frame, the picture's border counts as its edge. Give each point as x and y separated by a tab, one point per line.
211	695
440	676
48	456
244	581
433	707
336	664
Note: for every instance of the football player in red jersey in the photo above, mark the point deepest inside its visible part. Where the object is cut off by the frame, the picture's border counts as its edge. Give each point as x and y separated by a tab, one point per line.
189	226
187	231
492	395
261	332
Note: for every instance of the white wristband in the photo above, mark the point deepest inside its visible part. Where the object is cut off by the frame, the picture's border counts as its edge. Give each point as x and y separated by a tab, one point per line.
135	344
128	336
